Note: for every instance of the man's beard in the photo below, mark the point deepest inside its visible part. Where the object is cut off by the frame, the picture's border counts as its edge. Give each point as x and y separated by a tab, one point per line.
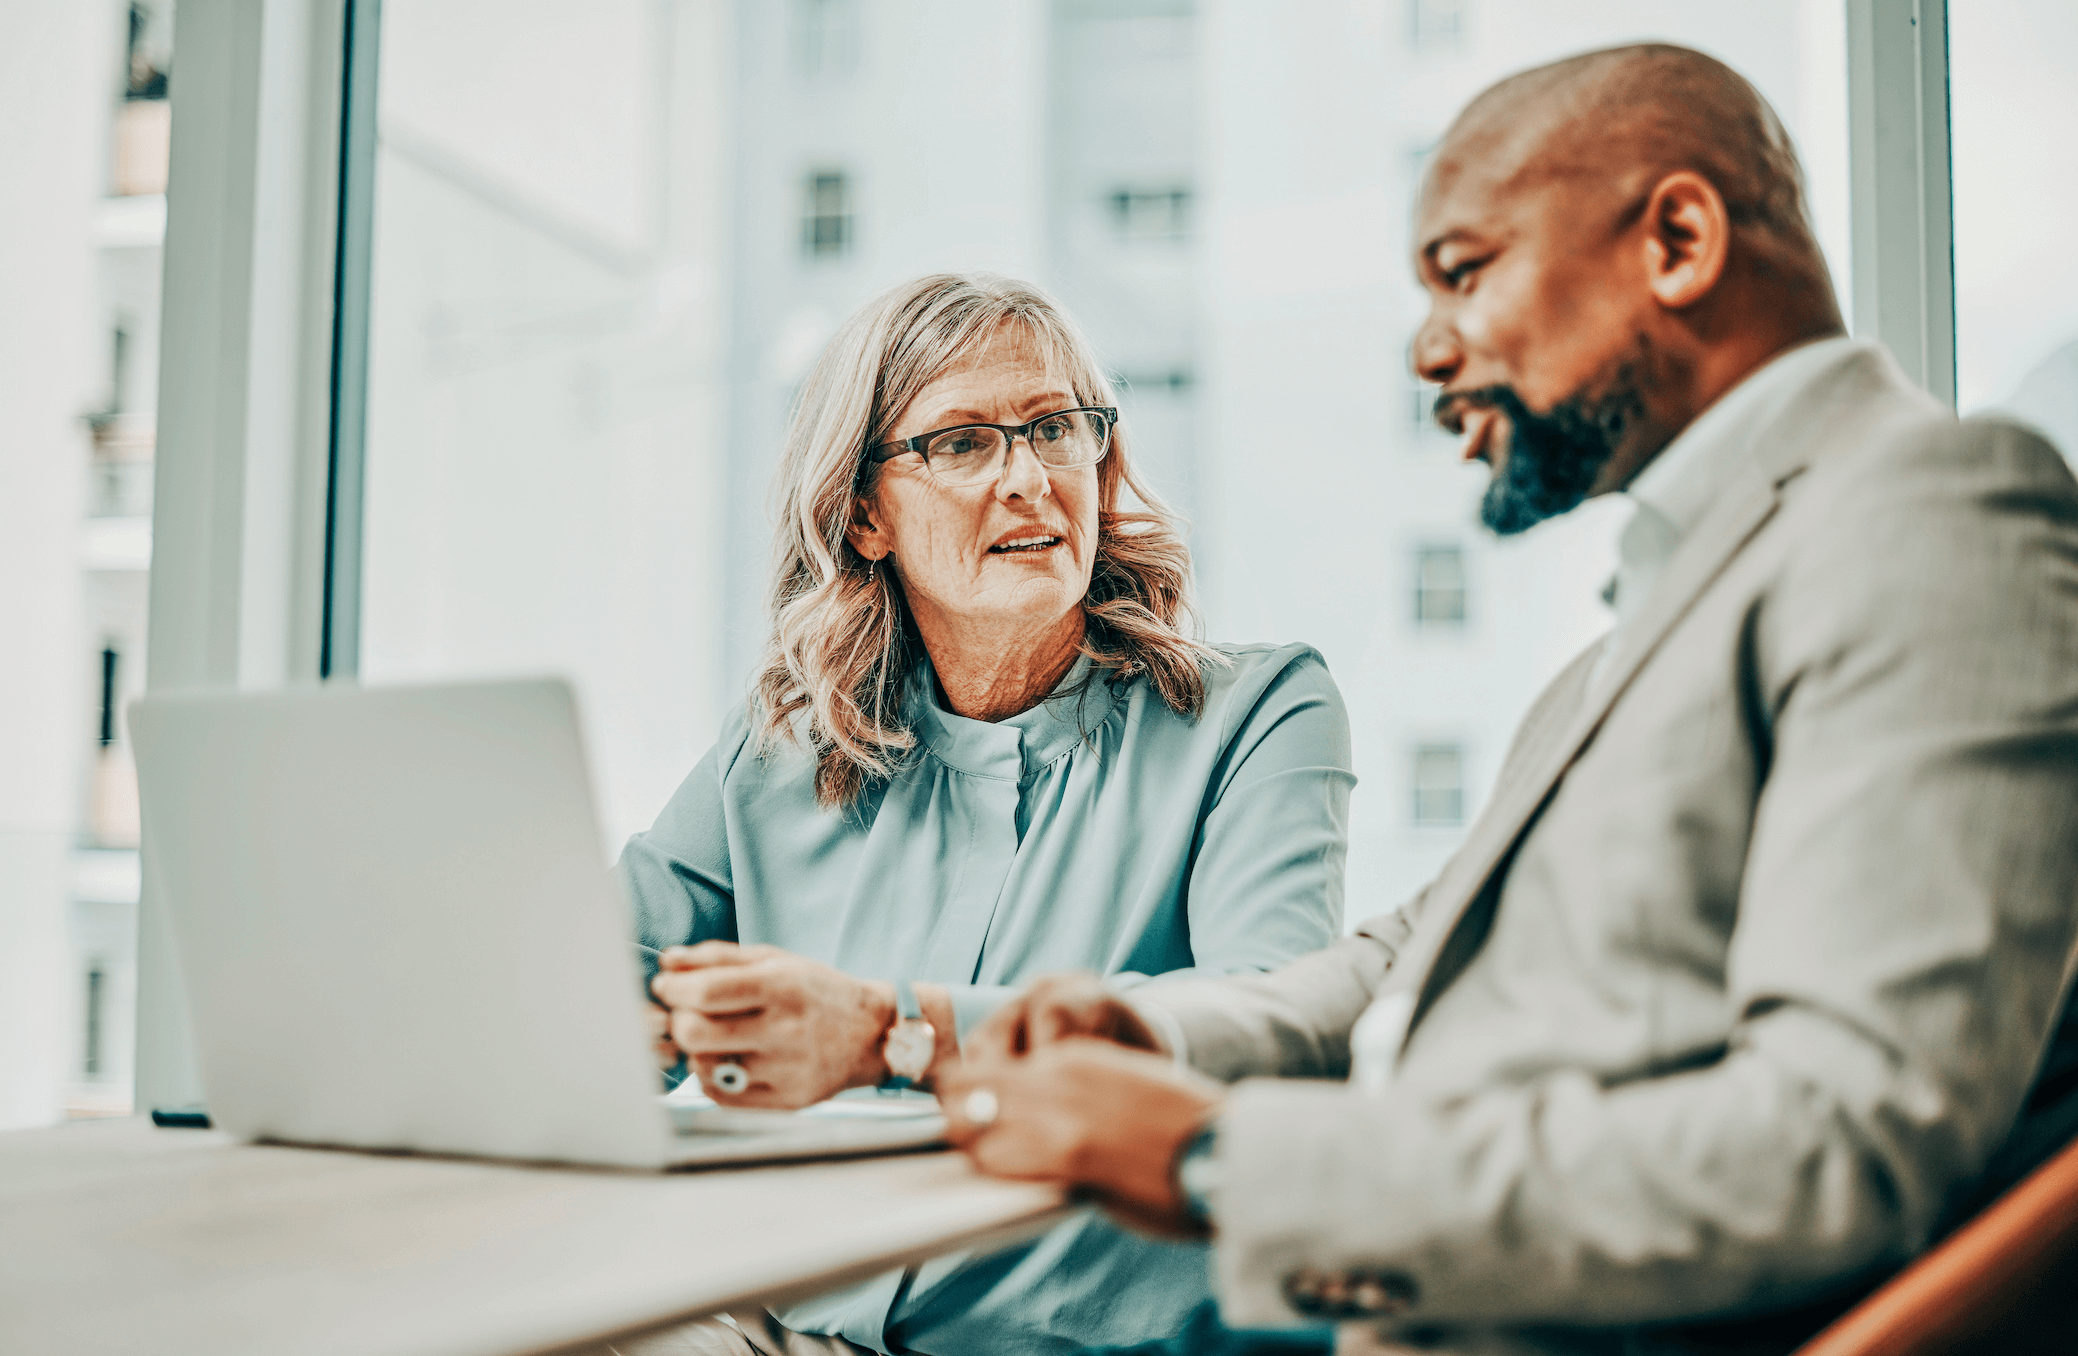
1552	459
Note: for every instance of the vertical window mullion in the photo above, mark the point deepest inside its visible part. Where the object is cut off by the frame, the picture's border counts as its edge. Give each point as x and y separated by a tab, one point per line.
340	637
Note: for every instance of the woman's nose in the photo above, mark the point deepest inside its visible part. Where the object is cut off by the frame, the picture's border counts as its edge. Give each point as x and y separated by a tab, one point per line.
1024	475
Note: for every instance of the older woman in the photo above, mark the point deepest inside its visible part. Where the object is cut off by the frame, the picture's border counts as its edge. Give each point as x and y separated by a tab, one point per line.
983	745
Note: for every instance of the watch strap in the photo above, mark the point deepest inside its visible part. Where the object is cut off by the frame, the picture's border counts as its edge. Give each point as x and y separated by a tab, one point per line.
907	1009
1198	1172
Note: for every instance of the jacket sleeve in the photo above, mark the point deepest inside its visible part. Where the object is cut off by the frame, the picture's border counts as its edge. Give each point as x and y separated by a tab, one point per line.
1904	937
1293	1023
1297	1022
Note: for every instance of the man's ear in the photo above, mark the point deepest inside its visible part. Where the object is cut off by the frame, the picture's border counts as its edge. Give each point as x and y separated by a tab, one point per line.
865	533
1688	235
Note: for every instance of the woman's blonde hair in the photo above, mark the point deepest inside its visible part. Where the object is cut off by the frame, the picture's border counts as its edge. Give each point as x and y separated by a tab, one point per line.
842	645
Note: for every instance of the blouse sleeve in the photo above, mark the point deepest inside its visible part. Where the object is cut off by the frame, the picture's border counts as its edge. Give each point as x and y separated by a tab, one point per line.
675	877
1267	877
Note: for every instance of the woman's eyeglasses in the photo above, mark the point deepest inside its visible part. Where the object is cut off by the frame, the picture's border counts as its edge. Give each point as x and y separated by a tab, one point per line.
974	454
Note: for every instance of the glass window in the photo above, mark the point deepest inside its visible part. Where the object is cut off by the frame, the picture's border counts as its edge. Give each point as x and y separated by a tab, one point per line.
591	312
1436	25
1439	586
85	178
1152	213
826	224
1439	785
2016	295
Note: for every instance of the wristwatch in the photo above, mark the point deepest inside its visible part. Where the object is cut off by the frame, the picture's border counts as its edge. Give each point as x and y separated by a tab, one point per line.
1198	1174
911	1042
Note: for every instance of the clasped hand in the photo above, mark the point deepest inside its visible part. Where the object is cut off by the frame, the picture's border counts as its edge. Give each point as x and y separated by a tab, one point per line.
801	1029
1083	1095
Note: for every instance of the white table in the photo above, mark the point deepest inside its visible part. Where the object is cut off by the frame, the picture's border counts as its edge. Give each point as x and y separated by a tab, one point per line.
116	1237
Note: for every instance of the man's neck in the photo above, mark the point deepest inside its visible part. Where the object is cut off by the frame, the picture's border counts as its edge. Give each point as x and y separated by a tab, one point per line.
992	671
1705	377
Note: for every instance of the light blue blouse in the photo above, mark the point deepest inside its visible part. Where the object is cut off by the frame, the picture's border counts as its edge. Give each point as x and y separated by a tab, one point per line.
1098	831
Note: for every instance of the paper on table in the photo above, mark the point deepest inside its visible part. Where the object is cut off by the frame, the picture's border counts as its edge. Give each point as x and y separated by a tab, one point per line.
845	1106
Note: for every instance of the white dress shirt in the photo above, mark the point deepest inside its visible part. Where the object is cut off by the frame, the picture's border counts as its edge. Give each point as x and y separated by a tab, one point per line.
1677	487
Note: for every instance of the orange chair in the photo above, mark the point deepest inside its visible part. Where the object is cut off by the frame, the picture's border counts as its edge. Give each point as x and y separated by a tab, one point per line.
2005	1283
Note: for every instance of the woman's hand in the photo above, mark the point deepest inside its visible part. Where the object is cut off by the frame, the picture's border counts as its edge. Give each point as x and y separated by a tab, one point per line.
1056	1008
660	1043
802	1030
1084	1113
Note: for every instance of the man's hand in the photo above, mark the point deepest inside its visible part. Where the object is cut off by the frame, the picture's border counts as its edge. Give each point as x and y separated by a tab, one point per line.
1085	1113
802	1030
1057	1008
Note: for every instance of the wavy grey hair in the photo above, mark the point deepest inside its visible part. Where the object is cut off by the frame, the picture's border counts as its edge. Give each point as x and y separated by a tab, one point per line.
842	644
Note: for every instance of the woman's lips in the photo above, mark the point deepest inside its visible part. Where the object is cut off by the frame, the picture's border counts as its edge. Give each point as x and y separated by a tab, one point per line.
1025	546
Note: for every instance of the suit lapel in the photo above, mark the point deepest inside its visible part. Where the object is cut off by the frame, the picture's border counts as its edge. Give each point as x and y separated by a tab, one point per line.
1744	506
1537	773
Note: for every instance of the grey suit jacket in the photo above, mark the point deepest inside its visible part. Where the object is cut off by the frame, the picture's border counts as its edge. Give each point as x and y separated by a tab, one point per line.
1743	977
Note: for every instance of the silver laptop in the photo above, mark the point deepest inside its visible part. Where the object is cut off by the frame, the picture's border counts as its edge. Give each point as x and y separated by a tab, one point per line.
397	932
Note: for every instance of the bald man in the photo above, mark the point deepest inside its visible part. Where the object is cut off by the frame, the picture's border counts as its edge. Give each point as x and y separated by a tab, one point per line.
1747	982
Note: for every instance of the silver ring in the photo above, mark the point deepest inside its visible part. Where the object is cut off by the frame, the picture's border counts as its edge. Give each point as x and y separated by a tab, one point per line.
730	1078
981	1107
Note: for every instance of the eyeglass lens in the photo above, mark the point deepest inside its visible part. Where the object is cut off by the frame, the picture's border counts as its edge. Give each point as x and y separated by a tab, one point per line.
964	456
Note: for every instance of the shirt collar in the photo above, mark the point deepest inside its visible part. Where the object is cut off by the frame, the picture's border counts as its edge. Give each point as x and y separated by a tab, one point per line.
1677	487
1014	748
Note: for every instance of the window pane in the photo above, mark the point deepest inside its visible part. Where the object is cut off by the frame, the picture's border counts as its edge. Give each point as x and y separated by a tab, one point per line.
1439	785
2016	294
1439	585
86	155
611	237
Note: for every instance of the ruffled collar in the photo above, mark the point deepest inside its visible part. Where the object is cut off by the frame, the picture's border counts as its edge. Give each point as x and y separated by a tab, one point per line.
1021	745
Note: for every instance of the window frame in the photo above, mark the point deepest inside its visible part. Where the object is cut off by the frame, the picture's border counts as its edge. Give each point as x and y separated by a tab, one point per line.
245	472
257	519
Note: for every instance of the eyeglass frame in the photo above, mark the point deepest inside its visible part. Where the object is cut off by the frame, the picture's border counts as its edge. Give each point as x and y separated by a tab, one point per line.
879	454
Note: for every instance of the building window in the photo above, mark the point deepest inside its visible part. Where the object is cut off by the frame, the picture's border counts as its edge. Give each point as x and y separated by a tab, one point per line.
1439	586
826	37
1439	785
144	122
94	1062
149	51
1149	214
826	215
1437	25
110	658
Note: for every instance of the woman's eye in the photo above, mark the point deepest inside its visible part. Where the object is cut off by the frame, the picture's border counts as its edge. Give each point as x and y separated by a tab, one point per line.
964	443
1052	431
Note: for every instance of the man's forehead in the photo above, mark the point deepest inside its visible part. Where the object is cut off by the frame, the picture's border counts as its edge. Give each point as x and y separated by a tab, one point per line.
1461	199
1493	181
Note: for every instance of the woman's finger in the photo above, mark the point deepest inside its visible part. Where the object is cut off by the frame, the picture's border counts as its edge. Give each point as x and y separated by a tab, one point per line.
733	1077
735	988
706	954
700	1033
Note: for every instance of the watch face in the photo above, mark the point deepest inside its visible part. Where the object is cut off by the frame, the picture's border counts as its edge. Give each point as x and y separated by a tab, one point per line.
910	1045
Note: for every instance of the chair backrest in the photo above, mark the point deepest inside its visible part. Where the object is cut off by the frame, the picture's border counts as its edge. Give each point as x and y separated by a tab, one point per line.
2006	1273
